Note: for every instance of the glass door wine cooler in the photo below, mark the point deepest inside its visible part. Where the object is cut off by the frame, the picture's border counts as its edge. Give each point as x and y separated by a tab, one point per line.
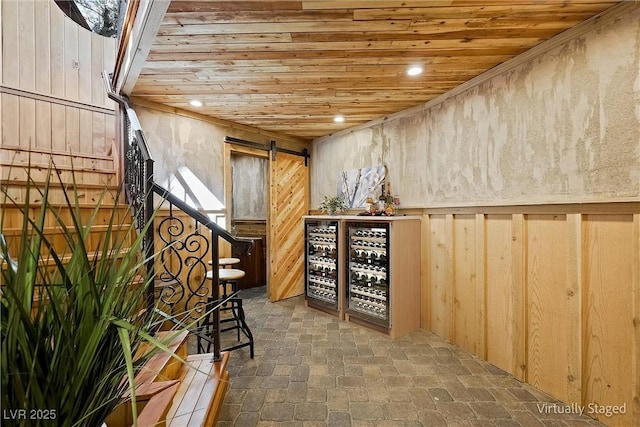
367	285
322	266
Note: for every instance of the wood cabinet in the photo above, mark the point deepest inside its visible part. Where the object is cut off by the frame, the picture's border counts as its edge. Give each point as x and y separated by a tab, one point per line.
253	264
377	270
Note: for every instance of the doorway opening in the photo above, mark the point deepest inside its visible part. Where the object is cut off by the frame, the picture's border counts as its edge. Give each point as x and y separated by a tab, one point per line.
247	197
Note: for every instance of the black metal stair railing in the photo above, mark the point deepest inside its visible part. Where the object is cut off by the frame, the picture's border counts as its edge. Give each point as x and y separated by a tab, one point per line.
180	292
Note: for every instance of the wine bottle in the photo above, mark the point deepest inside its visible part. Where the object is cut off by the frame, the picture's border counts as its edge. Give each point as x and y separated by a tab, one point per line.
382	200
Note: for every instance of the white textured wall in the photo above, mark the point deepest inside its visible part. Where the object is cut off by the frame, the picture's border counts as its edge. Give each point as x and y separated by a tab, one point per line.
562	127
249	175
177	141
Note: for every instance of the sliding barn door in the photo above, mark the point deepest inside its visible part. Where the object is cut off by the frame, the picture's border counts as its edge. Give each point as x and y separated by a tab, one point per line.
289	184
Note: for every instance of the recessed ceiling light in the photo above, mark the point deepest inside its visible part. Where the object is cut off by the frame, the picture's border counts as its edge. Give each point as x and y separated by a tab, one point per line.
414	70
196	103
338	119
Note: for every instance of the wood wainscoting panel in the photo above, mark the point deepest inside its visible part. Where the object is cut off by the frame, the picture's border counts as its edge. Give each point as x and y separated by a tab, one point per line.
608	316
500	294
10	119
547	308
440	281
425	286
550	294
466	324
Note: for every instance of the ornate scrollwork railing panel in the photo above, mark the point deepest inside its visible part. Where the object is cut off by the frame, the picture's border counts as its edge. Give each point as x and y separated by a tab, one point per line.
185	252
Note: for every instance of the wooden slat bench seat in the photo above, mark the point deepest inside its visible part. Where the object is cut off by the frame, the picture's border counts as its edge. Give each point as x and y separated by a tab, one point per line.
199	397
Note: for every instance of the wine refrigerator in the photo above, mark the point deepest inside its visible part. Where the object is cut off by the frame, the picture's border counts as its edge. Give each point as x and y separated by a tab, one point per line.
367	287
322	284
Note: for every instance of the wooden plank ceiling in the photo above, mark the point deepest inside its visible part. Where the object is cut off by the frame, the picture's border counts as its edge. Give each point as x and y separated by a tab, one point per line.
290	66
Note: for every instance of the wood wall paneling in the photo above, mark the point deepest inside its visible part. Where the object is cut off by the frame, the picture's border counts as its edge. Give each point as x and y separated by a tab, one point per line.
27	109
405	255
121	235
425	288
466	305
49	64
440	281
10	119
43	46
550	297
97	94
43	120
41	116
57	43
58	126
500	293
574	307
481	284
636	316
71	89
608	314
10	31
72	127
108	147
26	43
548	320
85	71
85	130
519	268
108	58
99	136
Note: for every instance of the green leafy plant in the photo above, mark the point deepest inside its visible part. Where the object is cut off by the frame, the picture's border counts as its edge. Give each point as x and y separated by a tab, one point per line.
333	205
74	323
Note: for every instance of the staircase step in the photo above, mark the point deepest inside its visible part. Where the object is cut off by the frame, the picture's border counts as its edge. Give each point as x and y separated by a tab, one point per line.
155	410
162	366
201	392
156	384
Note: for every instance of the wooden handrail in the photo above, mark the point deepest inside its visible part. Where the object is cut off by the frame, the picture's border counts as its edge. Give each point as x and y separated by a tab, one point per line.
243	243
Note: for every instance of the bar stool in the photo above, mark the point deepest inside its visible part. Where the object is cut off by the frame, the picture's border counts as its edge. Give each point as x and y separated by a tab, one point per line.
228	276
226	262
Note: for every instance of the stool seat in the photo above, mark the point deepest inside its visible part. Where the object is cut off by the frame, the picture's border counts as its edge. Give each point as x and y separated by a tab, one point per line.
223	262
226	274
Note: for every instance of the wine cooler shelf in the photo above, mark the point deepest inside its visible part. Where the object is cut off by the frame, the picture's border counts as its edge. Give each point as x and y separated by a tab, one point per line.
365	271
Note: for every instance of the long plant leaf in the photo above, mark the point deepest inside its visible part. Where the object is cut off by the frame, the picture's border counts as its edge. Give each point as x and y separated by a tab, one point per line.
64	348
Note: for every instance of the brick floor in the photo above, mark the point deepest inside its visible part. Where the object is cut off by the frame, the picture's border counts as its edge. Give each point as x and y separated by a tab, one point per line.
312	370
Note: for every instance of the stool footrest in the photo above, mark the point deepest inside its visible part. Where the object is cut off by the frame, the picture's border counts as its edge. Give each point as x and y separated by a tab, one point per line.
234	305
